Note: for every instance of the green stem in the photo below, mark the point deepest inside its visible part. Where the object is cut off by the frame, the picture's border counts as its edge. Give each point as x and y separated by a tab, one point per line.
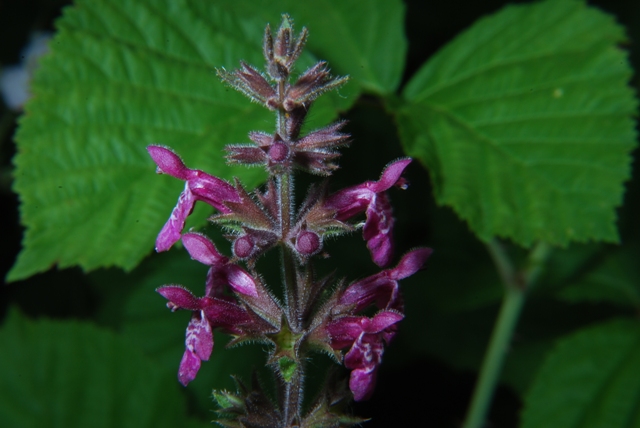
503	263
516	286
291	391
494	358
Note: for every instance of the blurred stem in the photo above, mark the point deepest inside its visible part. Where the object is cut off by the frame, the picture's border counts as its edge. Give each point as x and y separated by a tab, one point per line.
516	283
494	358
503	263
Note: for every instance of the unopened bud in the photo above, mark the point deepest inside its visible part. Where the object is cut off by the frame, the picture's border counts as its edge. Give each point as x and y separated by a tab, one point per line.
278	152
308	243
243	246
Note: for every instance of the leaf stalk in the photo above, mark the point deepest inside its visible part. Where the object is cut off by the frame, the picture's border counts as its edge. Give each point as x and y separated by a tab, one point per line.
517	284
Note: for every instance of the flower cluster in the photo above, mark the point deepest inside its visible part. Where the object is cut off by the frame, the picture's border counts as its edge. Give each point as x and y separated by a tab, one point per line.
314	313
365	336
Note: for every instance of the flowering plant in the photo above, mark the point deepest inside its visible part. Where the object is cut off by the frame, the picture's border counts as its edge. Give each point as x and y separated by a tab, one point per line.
315	314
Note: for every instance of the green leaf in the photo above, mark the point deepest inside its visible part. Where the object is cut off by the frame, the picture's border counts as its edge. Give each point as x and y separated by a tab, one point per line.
524	122
592	379
74	374
122	75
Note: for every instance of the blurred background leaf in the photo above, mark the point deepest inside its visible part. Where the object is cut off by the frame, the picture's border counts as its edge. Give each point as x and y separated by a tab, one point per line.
584	384
71	374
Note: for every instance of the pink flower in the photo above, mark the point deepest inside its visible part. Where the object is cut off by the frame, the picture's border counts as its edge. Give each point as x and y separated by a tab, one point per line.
208	312
199	186
221	272
371	198
366	336
382	288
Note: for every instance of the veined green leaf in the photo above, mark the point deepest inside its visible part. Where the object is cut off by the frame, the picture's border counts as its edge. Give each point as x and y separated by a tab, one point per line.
77	375
122	75
524	122
592	379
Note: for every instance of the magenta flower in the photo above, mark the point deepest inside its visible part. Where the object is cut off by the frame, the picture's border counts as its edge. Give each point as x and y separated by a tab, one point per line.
221	272
208	312
199	186
370	197
382	288
366	337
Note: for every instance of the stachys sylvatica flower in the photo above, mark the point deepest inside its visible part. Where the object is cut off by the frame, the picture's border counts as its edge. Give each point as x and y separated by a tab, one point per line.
353	322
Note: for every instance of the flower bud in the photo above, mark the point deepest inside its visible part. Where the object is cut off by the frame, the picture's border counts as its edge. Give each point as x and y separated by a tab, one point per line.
278	152
308	243
243	247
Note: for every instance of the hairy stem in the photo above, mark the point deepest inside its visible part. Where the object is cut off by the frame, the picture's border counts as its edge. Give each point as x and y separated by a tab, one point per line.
291	392
292	399
516	286
288	269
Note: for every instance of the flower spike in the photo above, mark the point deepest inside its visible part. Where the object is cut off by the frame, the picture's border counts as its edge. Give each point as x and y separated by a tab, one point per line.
312	312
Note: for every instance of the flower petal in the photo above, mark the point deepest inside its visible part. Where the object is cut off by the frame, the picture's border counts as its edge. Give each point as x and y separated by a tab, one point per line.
350	201
199	345
199	337
172	229
168	161
362	382
221	313
383	320
378	230
390	175
344	331
410	263
364	358
203	250
180	297
189	367
212	190
240	280
366	291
